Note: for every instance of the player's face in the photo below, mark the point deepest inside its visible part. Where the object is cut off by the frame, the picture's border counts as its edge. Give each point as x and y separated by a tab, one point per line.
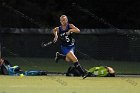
63	20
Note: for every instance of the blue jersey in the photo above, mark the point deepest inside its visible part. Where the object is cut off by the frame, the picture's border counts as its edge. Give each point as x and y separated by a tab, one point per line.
66	40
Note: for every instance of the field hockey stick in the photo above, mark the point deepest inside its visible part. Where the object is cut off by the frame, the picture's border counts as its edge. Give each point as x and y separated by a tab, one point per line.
43	44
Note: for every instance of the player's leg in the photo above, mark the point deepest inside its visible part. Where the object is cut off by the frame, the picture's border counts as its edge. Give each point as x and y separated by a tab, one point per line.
63	56
67	59
59	56
70	55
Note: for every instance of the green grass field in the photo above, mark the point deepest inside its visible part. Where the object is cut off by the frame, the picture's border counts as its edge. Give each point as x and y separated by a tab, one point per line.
50	65
63	84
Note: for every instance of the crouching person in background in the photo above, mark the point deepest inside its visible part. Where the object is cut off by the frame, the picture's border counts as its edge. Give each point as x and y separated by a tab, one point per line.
7	69
4	65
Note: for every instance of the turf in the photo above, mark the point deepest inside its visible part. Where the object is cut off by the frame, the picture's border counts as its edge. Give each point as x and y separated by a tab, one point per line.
63	84
49	64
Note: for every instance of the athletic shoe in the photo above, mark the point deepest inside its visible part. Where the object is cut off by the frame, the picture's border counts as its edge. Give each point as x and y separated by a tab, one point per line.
57	57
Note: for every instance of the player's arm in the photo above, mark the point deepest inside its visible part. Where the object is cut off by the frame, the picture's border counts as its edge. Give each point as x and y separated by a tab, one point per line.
55	32
73	29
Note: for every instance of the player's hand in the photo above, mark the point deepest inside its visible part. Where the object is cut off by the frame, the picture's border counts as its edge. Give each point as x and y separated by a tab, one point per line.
55	39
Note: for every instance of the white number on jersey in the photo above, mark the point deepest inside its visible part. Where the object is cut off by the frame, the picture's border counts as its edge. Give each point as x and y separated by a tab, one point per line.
67	39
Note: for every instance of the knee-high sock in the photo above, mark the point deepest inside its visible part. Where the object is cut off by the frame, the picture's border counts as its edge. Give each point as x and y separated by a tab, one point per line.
79	68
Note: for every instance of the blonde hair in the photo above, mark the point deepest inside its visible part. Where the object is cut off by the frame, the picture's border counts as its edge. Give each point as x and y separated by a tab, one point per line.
63	16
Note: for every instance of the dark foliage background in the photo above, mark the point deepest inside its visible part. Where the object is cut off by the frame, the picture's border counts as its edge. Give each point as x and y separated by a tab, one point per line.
46	13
